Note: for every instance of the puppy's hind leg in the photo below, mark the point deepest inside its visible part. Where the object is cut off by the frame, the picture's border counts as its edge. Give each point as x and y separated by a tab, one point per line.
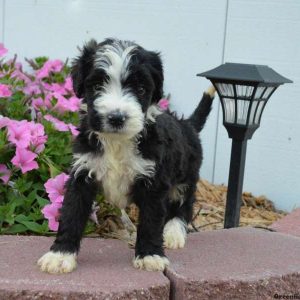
175	233
175	230
77	204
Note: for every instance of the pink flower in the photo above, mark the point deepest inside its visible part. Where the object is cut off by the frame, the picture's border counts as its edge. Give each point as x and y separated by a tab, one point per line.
163	103
32	88
39	143
4	121
46	85
19	133
56	65
47	100
49	66
59	125
24	160
62	126
55	187
38	103
73	129
55	88
4	173
5	91
20	76
36	129
68	84
37	136
25	134
3	50
51	212
42	73
63	104
74	103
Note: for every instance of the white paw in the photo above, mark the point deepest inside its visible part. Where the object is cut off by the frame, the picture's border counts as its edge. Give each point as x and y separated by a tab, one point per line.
151	263
174	234
57	262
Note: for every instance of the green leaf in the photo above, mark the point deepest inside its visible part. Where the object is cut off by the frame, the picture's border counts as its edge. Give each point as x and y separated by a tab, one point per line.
31	197
38	186
42	201
10	213
22	185
45	227
40	61
53	171
89	228
35	227
21	218
16	228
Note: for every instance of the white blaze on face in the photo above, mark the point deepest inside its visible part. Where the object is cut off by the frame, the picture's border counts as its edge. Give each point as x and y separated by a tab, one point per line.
114	59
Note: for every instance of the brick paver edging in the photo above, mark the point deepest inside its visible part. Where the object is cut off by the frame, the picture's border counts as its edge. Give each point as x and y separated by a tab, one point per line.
241	263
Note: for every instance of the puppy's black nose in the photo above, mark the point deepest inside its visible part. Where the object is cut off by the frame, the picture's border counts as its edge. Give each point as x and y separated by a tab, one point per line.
116	118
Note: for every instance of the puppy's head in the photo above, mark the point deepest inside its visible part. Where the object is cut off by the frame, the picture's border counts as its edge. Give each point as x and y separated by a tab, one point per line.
120	82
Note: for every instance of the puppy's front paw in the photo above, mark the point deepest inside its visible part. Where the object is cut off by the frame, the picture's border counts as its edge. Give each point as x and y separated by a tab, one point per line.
151	263
174	234
57	262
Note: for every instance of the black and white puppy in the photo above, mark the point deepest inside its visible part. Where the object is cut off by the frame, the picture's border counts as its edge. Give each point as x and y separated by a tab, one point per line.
130	150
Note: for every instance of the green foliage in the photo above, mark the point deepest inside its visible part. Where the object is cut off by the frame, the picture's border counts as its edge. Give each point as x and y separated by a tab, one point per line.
22	199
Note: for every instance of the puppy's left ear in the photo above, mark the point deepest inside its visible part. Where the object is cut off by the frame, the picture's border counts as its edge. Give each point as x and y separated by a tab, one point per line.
156	69
81	67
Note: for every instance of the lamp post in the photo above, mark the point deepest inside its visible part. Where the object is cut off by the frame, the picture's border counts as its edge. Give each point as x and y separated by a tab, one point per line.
244	91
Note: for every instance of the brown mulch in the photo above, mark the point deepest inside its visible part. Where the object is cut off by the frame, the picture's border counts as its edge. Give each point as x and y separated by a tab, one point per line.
210	206
209	209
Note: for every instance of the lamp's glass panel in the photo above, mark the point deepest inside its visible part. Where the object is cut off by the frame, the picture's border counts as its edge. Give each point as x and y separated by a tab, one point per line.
252	112
259	111
242	111
259	92
225	89
268	92
244	90
229	107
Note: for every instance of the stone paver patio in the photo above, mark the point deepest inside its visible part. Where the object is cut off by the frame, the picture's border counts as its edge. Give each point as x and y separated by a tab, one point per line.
289	224
104	272
241	263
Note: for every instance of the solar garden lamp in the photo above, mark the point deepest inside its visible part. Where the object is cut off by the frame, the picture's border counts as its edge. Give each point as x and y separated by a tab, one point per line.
244	91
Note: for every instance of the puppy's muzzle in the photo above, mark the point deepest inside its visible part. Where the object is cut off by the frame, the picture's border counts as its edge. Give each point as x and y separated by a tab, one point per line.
116	119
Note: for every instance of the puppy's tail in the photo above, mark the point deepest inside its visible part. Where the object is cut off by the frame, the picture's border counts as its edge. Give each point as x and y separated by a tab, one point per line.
199	116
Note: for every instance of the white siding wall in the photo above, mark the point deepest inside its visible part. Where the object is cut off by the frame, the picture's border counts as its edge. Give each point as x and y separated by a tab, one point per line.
193	36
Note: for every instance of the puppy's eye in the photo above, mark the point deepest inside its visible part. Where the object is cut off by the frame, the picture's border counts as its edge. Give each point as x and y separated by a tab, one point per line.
141	91
97	87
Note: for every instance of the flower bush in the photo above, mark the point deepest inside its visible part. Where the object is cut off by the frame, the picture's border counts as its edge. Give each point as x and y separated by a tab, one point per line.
38	118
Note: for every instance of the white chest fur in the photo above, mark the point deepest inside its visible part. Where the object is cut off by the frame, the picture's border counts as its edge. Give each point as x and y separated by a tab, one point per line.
117	168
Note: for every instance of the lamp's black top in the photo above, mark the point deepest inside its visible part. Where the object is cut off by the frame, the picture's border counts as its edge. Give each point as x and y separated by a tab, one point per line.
245	72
